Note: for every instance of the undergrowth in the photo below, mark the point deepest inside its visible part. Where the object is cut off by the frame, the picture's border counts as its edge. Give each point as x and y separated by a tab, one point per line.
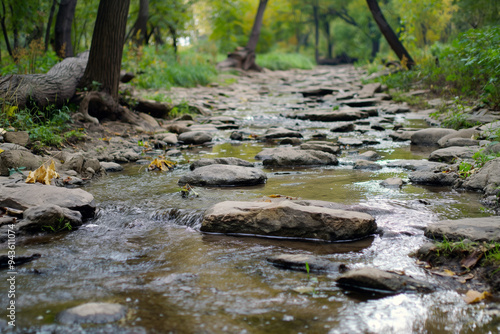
284	61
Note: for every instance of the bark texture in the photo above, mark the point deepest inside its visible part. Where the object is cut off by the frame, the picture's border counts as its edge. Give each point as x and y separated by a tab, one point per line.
257	25
64	20
55	87
139	32
389	34
107	47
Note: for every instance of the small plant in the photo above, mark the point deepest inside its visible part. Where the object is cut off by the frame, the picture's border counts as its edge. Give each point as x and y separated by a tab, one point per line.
465	169
181	109
483	156
60	226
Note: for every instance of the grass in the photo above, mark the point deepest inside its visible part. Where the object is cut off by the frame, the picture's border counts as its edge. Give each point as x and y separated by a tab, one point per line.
284	61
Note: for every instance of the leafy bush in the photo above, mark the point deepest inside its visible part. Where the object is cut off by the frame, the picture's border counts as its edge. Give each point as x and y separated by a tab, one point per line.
284	61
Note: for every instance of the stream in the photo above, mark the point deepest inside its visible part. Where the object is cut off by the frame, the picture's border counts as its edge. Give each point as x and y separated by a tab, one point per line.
144	249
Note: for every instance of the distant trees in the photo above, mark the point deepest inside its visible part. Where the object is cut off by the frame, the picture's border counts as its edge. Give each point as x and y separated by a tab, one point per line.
62	32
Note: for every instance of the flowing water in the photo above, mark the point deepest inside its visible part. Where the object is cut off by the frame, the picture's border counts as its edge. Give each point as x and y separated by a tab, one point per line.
144	250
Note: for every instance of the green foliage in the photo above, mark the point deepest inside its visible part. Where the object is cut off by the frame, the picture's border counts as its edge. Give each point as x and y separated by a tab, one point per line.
181	109
159	68
284	61
483	156
465	169
60	226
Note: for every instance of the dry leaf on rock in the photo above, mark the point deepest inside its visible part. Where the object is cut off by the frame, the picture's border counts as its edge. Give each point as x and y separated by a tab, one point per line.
43	174
472	296
163	165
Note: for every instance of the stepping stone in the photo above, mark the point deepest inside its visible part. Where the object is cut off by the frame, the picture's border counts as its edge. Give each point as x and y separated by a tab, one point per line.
217	175
298	262
95	313
475	229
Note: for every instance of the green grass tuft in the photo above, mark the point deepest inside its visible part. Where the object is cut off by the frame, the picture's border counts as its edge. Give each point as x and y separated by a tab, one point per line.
284	61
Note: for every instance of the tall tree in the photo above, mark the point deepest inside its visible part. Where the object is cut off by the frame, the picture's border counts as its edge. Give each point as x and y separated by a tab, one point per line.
257	25
64	20
389	34
107	47
139	31
49	24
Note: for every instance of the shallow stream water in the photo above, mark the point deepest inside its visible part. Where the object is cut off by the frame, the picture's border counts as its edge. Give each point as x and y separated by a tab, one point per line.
144	250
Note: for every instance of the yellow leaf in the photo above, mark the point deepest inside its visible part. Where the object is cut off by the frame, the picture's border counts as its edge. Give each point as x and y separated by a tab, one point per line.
11	111
163	165
472	296
1	151
43	174
449	272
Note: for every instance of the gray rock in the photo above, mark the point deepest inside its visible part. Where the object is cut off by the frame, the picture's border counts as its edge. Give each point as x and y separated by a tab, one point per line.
18	158
392	182
321	147
290	141
434	178
195	137
402	135
179	126
298	262
451	138
346	114
347	141
49	216
355	103
168	138
96	313
174	153
221	161
242	135
384	282
111	166
451	154
487	179
460	142
430	136
287	219
475	229
289	156
397	109
223	175
369	90
21	138
492	149
370	156
364	164
10	146
417	165
23	196
343	127
281	133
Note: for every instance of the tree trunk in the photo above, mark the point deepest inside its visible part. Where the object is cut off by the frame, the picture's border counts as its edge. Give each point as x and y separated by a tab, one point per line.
173	32
375	47
55	87
316	32
107	47
326	26
257	25
389	34
4	30
49	24
64	20
139	32
244	58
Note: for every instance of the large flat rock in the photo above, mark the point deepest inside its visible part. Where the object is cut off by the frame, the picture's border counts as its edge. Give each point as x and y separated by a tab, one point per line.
450	154
287	219
224	175
475	229
289	156
301	262
347	114
430	136
23	196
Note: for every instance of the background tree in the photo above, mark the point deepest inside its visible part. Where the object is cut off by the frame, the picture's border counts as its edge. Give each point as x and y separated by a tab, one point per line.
62	33
139	32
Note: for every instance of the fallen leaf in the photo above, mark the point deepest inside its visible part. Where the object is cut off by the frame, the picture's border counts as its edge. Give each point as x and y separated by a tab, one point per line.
472	259
1	150
464	279
43	174
163	165
472	296
444	273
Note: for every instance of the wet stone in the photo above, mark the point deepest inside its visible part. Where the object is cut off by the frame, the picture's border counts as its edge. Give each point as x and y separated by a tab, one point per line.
433	178
298	262
430	136
475	229
368	165
96	313
451	154
289	156
343	127
195	137
223	175
346	141
370	156
392	182
281	133
320	147
221	161
111	166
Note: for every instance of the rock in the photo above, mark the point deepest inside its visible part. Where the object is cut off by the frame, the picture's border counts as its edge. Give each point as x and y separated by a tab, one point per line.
168	138
451	154
281	133
347	141
10	146
434	178
397	109
21	138
221	161
362	102
289	156
73	162
48	217
475	229
460	134
287	219
417	165
224	175
242	135
492	149
430	136
369	90
320	147
23	196
364	164
194	137
111	166
343	127
392	182
346	114
487	179
402	135
96	313
298	262
18	158
179	126
203	128
174	153
20	259
384	282
370	156
290	141
460	142
149	120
